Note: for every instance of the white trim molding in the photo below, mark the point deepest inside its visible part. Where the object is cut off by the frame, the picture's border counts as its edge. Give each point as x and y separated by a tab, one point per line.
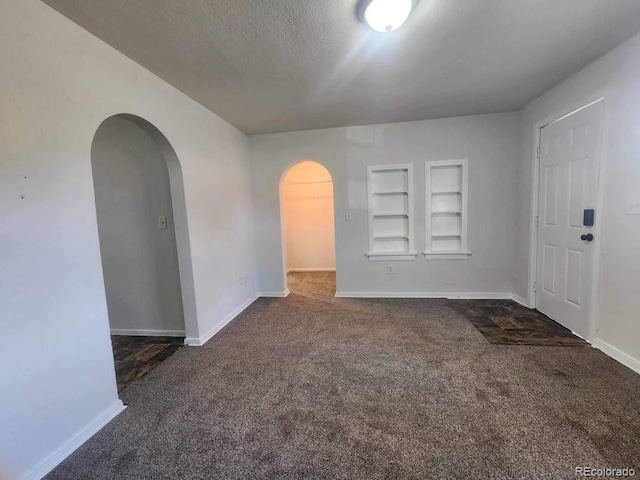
275	294
71	445
446	295
520	300
618	355
198	342
132	332
302	270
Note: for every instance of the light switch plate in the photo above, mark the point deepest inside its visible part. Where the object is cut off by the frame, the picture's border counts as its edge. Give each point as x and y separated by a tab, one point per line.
162	223
634	205
347	216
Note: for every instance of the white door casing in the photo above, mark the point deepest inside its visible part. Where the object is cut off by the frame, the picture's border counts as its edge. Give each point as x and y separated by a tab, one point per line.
568	184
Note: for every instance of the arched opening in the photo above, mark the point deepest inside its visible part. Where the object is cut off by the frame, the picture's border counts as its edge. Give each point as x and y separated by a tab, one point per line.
144	244
308	229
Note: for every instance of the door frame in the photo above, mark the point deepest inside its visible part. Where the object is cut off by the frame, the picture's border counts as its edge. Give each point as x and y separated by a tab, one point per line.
599	96
180	219
283	236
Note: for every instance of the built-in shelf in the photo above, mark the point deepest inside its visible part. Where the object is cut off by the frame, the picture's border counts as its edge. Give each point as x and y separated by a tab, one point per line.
390	212
446	185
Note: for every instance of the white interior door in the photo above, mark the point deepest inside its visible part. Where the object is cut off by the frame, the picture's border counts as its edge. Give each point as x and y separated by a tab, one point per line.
569	164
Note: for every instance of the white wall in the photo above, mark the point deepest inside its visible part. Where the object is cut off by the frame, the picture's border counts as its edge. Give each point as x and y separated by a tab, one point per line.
616	77
488	141
58	84
139	261
307	214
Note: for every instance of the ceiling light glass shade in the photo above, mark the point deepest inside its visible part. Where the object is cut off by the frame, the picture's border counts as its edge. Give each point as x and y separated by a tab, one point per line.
387	15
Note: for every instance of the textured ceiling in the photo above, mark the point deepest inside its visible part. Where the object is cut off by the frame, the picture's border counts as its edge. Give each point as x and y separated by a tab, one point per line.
281	65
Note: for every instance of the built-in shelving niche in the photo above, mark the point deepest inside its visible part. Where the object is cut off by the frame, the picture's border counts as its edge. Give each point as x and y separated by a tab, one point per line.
390	191
446	186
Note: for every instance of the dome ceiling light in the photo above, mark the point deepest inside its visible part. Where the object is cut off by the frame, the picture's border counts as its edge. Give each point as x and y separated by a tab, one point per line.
385	16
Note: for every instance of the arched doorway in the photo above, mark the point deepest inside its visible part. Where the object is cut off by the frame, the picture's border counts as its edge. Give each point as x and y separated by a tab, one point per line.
144	243
308	228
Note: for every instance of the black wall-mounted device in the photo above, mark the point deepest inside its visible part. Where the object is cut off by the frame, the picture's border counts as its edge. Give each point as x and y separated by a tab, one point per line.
589	218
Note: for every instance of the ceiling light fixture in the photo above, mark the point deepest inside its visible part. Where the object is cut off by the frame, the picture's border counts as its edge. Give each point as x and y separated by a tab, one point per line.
385	16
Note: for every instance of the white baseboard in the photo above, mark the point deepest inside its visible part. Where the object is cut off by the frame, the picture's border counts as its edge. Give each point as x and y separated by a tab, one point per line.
520	300
624	358
198	342
448	295
132	332
275	294
302	270
71	445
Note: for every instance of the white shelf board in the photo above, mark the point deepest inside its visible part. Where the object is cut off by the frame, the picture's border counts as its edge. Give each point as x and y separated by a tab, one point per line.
443	255
391	237
391	256
391	215
403	192
387	169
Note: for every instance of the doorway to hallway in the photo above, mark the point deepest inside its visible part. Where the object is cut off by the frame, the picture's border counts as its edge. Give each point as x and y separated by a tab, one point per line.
306	199
136	180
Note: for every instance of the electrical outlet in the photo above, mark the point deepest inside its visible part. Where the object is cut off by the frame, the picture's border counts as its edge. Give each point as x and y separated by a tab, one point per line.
390	270
163	224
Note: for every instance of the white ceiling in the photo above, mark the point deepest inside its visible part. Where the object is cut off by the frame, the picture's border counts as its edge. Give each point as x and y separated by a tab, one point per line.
282	65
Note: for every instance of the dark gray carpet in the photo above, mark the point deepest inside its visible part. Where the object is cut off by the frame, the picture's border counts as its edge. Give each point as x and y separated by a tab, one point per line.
316	387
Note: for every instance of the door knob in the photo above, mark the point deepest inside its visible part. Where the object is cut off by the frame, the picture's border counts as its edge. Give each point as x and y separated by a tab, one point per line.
587	238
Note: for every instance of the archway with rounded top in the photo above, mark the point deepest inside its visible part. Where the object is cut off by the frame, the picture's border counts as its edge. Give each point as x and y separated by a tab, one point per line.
308	228
143	230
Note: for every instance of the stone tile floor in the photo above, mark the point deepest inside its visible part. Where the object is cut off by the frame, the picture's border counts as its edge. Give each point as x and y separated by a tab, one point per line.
505	322
136	356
